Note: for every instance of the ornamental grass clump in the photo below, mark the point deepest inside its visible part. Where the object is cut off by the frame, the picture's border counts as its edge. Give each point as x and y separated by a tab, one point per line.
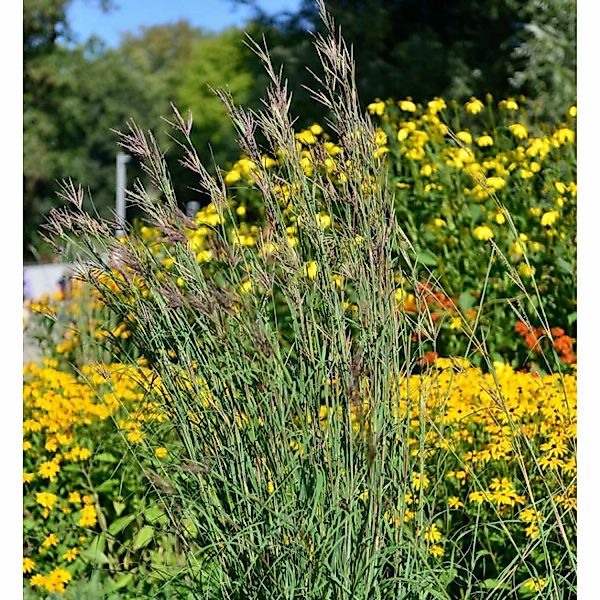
302	397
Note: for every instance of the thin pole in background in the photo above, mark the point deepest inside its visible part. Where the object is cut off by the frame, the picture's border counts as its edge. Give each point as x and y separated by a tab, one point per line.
122	160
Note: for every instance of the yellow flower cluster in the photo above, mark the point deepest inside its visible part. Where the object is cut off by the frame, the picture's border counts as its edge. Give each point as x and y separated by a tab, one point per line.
501	431
60	410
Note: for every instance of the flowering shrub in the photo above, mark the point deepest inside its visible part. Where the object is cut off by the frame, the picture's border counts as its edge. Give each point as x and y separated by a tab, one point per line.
489	208
85	501
487	198
290	335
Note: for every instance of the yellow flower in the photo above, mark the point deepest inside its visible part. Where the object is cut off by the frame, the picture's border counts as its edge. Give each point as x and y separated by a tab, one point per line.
518	130
549	218
245	287
56	579
316	129
74	498
332	149
232	177
268	162
564	135
161	452
495	183
324	220
381	151
28	565
407	106
483	141
426	170
402	134
46	499
270	487
455	503
465	137
88	516
532	530
483	233
535	584
436	550
439	222
310	269
477	497
420	481
432	534
38	580
306	137
28	477
508	104
436	105
136	436
50	540
526	271
338	281
377	107
380	137
456	323
561	188
528	515
168	262
71	555
573	111
49	469
474	106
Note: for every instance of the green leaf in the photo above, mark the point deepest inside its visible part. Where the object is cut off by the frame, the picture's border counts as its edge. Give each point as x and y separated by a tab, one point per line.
475	211
143	537
95	551
106	457
425	257
119	507
572	318
495	584
466	300
119	524
107	486
123	581
189	526
564	266
153	513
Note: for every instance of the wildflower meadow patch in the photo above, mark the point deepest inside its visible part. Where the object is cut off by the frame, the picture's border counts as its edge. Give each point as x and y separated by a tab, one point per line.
352	374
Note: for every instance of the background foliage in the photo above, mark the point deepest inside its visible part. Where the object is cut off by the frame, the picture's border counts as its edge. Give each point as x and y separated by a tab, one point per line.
76	92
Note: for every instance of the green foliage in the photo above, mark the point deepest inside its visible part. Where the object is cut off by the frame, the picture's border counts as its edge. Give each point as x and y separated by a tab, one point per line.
546	59
73	100
218	61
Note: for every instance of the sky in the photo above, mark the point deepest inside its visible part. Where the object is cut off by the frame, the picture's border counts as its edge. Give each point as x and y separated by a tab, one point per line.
86	18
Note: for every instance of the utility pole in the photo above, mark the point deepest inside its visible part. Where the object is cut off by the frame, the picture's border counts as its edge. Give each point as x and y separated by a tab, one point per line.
122	160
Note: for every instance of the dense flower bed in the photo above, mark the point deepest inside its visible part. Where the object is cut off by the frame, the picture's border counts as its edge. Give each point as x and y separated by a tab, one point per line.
498	449
487	202
83	486
486	198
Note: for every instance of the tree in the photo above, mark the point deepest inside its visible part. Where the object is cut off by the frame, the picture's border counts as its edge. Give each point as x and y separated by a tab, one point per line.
424	48
219	61
546	58
73	97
